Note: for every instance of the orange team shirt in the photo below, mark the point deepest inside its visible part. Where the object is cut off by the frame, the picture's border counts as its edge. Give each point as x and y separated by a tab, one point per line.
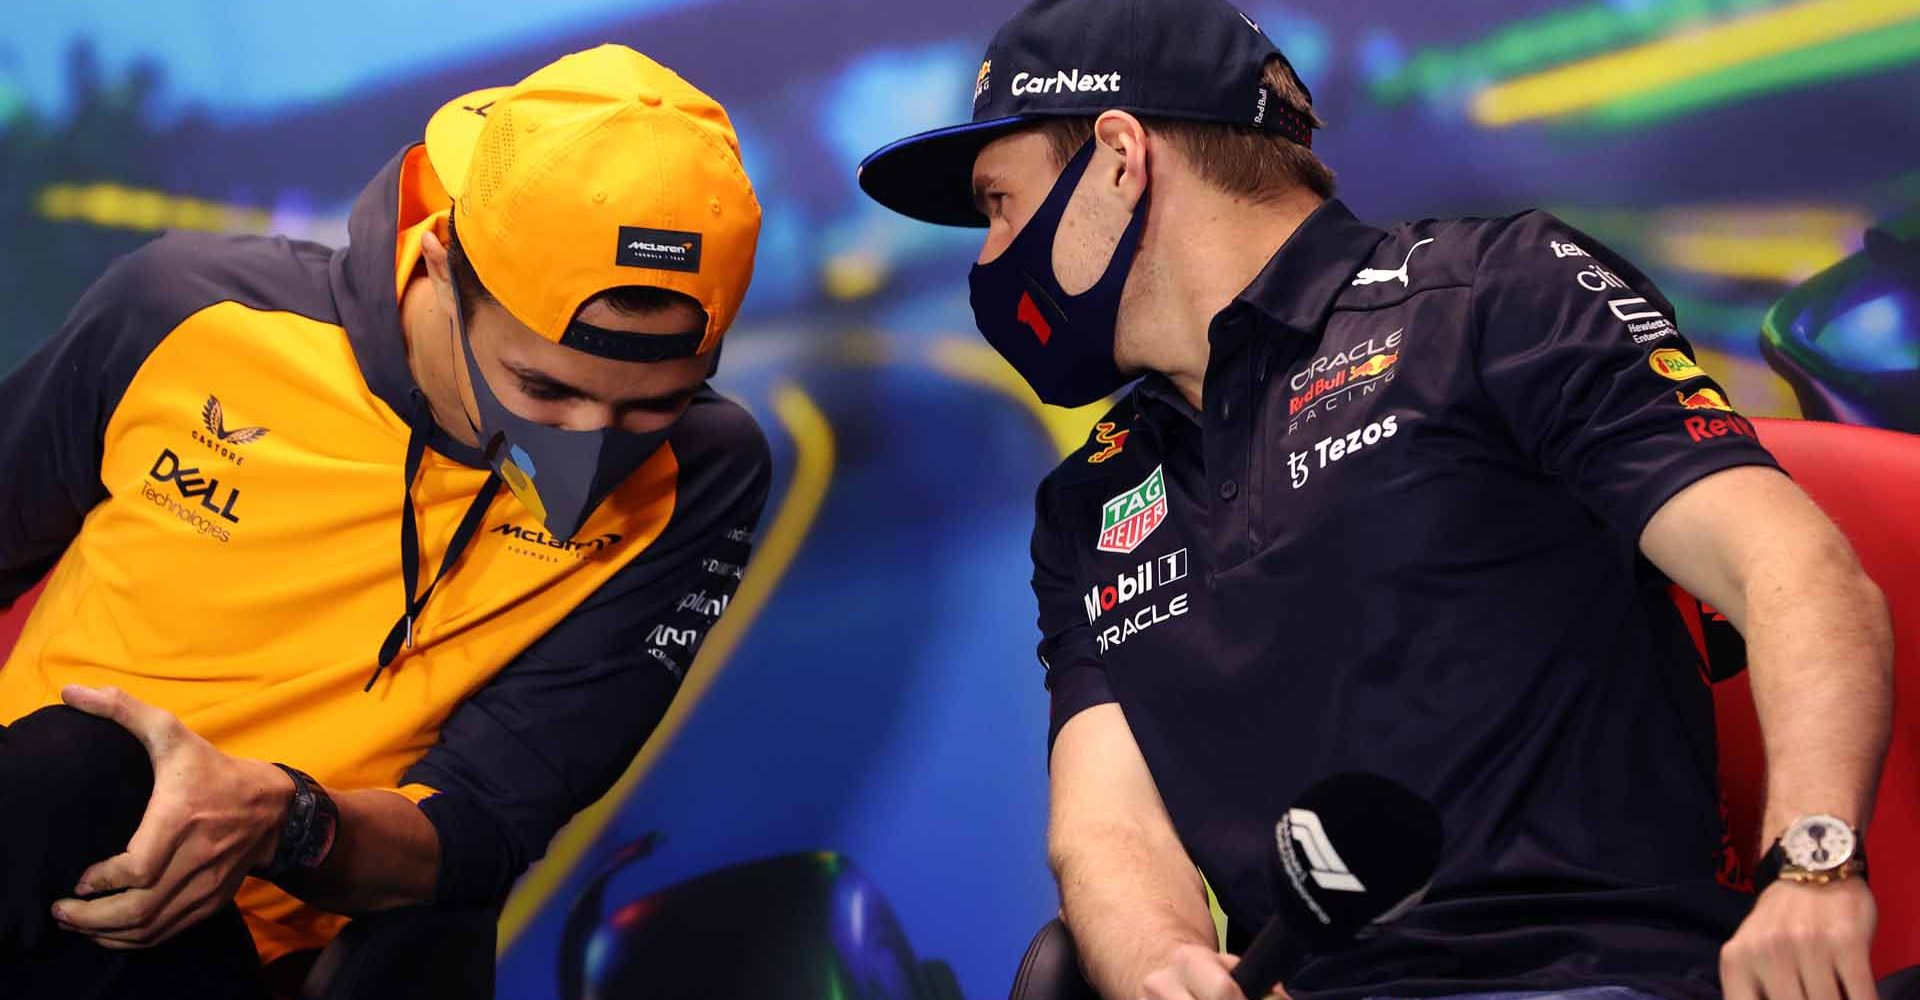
209	455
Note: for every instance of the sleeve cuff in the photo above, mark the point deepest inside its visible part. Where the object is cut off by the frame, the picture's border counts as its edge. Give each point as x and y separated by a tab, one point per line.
1075	688
478	863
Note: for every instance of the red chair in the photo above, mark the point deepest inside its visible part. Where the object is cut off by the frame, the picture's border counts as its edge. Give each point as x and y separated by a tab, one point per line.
1868	481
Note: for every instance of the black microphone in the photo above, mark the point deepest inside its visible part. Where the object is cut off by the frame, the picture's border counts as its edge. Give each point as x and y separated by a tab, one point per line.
1354	850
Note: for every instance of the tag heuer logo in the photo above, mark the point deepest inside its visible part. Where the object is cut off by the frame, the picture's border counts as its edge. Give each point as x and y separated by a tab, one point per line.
1127	520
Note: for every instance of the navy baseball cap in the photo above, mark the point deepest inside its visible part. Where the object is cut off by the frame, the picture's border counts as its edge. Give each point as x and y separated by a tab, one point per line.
1194	60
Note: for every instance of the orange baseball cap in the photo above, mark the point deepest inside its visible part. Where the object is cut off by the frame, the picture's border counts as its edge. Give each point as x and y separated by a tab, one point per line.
599	170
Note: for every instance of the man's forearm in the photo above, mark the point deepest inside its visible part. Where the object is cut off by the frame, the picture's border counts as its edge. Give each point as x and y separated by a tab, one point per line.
1820	647
385	855
1130	903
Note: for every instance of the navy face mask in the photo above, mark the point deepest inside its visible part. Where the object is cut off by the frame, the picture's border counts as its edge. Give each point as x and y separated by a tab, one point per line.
1061	344
559	475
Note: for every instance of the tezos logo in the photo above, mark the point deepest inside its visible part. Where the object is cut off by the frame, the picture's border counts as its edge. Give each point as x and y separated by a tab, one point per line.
1127	520
1332	449
1066	82
1141	580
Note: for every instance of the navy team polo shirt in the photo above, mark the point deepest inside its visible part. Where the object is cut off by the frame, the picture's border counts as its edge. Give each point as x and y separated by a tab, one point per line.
1403	538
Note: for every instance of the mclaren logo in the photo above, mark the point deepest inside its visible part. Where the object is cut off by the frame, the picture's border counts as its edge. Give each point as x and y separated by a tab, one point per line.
1323	862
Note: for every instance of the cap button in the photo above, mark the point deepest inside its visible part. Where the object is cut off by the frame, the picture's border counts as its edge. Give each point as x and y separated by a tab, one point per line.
647	96
599	197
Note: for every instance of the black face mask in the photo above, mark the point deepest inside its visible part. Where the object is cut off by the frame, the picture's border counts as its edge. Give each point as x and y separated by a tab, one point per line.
1061	344
559	475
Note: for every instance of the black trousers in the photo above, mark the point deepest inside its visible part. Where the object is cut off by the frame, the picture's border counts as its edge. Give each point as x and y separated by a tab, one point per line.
72	791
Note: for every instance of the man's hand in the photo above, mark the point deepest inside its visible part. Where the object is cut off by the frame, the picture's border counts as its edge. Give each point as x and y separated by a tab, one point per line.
1803	942
1195	973
212	819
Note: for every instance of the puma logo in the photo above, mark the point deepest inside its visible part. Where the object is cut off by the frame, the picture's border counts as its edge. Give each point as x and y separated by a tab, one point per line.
1375	276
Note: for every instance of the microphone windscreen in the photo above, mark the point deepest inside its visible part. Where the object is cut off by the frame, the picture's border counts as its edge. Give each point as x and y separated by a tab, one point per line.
1354	849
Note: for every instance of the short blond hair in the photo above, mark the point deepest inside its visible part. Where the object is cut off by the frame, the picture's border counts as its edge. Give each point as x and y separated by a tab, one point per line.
1241	161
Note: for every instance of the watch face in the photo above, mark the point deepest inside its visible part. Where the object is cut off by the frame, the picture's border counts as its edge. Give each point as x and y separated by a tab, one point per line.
1818	843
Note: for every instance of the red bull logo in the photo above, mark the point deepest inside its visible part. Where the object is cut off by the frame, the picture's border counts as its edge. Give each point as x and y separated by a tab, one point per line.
1702	428
1318	388
1376	365
1115	440
1705	398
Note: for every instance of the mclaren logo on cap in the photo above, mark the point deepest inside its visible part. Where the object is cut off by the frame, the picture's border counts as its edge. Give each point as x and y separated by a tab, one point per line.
983	82
659	249
1066	82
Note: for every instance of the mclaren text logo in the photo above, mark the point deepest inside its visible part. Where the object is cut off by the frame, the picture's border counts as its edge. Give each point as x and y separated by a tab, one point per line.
1140	581
1323	862
540	545
1066	82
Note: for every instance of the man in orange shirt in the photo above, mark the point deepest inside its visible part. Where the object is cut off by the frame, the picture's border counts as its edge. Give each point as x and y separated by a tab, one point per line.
215	457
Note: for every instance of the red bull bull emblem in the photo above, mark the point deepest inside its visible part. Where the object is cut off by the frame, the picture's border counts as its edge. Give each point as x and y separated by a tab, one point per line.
1115	440
1704	398
1127	520
1376	365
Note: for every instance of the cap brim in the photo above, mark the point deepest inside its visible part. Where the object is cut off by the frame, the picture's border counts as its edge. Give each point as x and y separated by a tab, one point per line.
930	176
452	134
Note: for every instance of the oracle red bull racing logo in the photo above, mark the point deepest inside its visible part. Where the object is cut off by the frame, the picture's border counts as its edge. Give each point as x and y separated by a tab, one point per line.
1127	520
1333	379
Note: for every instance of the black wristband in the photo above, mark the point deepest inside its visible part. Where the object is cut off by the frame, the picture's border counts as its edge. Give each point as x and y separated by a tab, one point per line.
307	837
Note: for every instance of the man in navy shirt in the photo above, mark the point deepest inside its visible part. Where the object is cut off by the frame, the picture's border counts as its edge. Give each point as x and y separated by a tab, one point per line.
1401	501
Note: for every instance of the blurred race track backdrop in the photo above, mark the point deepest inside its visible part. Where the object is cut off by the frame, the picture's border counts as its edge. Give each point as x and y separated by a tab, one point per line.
864	736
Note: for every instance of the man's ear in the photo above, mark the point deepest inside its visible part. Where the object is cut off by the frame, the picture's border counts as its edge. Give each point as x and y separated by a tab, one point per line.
434	253
1120	133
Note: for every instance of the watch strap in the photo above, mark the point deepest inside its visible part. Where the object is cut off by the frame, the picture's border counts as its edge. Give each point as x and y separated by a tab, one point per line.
1774	862
307	836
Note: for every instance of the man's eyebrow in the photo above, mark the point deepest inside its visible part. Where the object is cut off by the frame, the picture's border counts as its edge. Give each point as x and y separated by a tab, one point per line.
545	380
982	182
556	386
